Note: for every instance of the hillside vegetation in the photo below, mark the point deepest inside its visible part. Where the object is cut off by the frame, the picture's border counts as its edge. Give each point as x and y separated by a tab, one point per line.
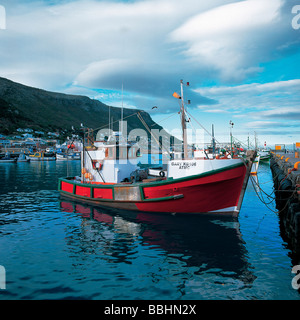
26	107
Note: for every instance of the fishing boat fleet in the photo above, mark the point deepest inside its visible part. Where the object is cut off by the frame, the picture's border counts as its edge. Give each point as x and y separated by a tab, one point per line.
189	184
42	155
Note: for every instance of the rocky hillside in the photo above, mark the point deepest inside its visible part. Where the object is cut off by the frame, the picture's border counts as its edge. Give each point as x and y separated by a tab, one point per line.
26	107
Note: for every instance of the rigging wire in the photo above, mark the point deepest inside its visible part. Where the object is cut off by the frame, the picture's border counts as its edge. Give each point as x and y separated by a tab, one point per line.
173	114
131	115
148	129
202	126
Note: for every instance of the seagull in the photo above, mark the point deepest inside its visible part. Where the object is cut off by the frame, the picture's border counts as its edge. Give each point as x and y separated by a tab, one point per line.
155	107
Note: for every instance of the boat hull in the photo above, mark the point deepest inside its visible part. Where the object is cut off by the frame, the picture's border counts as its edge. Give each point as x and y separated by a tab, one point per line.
255	166
265	158
41	158
214	192
8	160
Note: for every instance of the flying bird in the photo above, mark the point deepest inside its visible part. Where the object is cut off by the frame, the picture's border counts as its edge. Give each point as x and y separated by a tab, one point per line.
155	107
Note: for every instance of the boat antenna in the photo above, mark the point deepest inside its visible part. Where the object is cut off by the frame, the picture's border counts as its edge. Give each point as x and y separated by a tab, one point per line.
108	119
213	140
122	112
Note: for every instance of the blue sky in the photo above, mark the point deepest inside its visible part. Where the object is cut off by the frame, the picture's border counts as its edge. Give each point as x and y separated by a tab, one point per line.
242	59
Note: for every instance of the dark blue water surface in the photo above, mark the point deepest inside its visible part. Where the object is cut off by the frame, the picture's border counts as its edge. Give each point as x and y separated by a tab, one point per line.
56	249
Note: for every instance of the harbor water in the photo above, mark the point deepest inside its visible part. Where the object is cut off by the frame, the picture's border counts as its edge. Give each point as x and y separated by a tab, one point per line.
52	248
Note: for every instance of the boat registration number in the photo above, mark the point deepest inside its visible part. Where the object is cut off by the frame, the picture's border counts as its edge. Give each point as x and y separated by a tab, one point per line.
183	165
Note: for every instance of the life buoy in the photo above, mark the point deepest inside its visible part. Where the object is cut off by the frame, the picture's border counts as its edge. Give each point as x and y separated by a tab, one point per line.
97	164
161	174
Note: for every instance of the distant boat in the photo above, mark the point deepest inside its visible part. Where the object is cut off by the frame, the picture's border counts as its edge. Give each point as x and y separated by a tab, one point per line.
7	158
264	155
41	156
22	158
69	156
255	165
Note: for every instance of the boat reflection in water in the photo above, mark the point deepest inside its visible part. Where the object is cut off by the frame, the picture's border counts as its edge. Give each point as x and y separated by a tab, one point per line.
203	243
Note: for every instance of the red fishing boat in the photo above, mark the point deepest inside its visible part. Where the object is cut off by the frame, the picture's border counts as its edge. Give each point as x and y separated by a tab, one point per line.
110	176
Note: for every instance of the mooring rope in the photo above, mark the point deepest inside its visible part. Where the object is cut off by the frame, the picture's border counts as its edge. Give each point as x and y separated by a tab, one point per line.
270	196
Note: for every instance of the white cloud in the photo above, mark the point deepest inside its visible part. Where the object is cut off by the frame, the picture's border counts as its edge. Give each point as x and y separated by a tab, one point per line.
269	106
79	46
261	124
51	46
234	38
266	97
287	86
94	43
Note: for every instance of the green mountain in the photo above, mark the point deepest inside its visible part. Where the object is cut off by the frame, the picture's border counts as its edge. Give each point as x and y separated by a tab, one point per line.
26	107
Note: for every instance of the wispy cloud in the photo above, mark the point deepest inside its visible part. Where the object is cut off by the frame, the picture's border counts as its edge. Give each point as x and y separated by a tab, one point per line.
264	108
271	99
91	47
283	113
236	38
270	124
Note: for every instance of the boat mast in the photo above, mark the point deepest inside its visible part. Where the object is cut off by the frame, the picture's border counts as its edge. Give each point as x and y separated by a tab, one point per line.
109	120
122	114
183	124
213	141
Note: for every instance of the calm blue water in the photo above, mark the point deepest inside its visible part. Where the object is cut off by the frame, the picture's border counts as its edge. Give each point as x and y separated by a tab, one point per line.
57	249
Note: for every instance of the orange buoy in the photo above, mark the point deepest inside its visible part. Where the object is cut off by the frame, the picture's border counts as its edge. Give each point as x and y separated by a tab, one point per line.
296	165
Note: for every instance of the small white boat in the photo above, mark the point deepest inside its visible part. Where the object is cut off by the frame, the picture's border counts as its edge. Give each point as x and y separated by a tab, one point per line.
264	155
22	158
70	156
255	165
7	158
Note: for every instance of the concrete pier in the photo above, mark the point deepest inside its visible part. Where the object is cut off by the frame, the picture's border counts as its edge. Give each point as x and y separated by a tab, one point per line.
286	176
